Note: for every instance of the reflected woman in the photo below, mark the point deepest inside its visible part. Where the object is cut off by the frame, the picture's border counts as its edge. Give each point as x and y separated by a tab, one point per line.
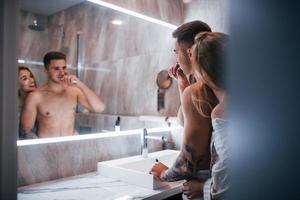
27	84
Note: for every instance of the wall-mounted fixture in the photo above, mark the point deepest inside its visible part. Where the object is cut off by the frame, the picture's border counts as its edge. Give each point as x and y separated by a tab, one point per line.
118	124
144	141
38	23
163	81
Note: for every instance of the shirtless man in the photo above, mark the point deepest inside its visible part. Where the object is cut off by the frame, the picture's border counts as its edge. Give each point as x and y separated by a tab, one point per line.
184	39
54	104
195	152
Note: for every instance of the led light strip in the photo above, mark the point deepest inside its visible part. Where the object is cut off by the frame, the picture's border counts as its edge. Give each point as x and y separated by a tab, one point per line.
30	62
94	136
132	13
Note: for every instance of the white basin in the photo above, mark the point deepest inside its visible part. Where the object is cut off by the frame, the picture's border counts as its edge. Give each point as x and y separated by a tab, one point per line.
135	170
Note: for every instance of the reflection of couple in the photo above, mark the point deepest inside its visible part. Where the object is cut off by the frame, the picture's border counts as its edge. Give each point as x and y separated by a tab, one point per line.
53	105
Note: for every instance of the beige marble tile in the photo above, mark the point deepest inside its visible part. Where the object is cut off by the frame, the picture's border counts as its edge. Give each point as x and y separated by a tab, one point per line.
43	162
213	12
171	11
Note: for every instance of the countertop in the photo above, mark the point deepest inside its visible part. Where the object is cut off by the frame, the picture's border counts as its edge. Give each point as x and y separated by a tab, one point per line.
93	186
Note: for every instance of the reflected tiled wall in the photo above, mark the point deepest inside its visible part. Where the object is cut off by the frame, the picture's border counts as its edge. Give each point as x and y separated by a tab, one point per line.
120	62
32	45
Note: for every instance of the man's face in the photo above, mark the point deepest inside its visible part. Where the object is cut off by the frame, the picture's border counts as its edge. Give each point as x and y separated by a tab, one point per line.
183	58
57	70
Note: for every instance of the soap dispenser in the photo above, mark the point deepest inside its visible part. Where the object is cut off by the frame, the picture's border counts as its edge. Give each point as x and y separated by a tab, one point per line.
117	124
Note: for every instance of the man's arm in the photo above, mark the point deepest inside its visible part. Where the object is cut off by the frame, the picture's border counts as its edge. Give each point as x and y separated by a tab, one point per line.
195	147
28	116
184	166
180	118
182	83
86	96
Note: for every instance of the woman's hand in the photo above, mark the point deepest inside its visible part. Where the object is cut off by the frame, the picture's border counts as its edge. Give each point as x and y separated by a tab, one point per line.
193	188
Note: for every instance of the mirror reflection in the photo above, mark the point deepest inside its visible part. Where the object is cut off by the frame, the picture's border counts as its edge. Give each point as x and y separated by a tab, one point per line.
53	105
105	82
163	80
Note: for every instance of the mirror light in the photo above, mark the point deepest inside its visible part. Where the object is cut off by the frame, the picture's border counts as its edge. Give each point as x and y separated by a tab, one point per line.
30	62
132	13
94	136
116	22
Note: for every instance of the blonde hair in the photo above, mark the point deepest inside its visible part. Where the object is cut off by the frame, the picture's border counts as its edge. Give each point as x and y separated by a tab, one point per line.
204	101
208	53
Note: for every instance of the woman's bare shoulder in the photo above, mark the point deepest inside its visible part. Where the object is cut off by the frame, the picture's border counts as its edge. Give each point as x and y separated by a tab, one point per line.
218	111
193	103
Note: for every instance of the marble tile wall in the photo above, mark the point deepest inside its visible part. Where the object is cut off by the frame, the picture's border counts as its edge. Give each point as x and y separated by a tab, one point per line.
172	11
213	12
43	162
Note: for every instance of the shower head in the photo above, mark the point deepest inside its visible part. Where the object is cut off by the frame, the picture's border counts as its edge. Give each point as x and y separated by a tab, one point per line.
37	26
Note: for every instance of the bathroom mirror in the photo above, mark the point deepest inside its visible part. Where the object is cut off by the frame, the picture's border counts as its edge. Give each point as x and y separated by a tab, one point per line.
163	80
116	55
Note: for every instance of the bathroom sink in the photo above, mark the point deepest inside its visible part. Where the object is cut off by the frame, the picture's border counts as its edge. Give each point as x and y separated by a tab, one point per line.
135	170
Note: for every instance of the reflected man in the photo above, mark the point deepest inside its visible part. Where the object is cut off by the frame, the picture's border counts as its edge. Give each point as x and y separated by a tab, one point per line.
54	104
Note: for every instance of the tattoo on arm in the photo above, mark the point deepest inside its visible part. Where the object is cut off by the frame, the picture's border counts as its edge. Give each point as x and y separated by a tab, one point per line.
185	166
28	134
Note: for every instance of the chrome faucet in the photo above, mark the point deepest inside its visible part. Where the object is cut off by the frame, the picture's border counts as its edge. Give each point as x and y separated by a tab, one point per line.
144	140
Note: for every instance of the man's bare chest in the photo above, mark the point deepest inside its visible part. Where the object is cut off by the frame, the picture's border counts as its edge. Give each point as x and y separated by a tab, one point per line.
57	104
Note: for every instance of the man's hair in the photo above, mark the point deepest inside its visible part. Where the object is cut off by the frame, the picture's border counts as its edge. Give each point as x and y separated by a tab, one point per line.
53	55
185	34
